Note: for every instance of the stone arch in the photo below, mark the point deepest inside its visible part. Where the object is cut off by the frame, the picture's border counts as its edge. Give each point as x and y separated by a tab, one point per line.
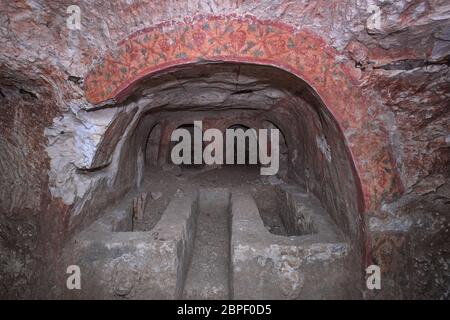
264	42
243	125
284	154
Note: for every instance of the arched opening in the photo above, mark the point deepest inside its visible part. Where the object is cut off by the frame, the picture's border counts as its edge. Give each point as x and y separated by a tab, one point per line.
312	189
242	153
283	147
190	161
152	146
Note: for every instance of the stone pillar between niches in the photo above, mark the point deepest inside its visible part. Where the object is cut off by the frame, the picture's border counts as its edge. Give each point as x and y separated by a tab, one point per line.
164	146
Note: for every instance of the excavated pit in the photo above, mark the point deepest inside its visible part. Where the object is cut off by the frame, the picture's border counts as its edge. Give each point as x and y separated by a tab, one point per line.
214	243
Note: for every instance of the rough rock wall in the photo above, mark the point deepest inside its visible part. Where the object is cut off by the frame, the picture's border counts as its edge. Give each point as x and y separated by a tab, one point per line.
31	222
403	64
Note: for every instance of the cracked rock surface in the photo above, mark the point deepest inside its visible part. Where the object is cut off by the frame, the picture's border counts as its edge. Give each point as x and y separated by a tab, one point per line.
53	179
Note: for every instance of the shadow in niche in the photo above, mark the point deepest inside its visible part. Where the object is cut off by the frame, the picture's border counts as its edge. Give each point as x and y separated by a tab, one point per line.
190	128
152	146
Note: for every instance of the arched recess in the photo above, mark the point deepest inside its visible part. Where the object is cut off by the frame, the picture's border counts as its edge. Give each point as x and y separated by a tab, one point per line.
176	96
300	53
283	147
190	128
245	145
152	146
249	40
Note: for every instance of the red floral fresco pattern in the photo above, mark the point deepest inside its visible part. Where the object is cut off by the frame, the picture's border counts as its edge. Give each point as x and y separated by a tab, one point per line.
247	39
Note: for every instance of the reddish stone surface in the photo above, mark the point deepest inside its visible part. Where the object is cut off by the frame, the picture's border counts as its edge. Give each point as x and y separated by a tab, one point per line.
246	39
